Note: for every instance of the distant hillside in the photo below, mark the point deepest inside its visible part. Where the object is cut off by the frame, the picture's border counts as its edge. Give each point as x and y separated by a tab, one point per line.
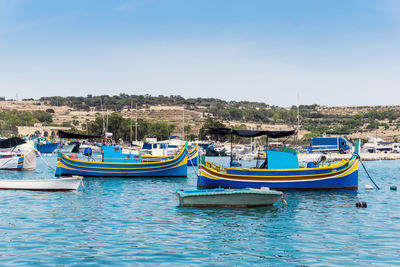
315	120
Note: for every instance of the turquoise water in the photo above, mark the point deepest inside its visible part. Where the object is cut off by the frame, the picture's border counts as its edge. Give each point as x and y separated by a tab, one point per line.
131	222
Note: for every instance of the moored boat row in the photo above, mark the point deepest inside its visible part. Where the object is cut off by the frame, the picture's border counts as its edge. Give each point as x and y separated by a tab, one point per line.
235	186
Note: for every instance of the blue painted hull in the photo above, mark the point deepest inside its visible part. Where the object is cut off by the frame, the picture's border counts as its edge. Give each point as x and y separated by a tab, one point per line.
350	182
176	172
47	148
193	156
194	161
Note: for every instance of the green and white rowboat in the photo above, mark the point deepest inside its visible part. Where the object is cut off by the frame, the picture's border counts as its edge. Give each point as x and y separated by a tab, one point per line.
220	197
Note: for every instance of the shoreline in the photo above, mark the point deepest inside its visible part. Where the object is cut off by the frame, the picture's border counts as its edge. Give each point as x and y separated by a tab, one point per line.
338	157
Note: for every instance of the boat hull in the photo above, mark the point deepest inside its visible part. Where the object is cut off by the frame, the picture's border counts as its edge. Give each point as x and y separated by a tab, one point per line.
11	162
47	148
63	184
340	176
228	198
193	156
175	167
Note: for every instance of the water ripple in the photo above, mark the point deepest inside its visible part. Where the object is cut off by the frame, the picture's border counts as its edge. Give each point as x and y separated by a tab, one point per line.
127	222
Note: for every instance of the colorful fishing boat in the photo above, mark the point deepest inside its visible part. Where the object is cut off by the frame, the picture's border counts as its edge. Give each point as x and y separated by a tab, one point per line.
44	146
12	162
10	158
220	197
280	171
120	165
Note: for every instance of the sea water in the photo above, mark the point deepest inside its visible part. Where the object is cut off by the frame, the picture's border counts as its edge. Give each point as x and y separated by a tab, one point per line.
137	221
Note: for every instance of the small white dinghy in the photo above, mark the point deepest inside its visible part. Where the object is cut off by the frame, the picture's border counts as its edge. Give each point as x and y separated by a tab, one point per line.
61	184
220	197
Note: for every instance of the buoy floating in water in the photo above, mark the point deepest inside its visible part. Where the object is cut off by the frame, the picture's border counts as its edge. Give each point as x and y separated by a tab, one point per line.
361	204
369	187
393	187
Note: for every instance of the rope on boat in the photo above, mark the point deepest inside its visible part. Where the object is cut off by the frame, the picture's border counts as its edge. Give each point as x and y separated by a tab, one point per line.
195	171
365	169
48	165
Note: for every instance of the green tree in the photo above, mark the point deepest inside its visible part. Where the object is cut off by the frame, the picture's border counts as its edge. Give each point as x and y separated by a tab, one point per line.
209	123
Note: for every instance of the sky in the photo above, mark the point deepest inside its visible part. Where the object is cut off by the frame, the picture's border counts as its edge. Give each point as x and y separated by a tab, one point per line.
286	52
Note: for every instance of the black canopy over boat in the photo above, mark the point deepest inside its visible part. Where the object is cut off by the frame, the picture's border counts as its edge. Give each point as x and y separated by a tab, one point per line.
64	134
11	142
251	133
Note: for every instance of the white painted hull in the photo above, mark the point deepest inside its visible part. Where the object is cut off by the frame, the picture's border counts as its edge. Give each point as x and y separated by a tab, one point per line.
10	163
29	162
62	184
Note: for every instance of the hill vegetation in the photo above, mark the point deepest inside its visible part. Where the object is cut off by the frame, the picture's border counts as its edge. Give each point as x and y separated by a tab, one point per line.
315	120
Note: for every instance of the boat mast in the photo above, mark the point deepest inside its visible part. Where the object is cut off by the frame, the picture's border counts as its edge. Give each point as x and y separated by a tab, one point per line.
231	162
130	139
298	121
102	111
298	126
107	121
183	125
136	124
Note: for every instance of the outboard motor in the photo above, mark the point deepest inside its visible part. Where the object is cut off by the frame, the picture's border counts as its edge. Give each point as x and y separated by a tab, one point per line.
316	164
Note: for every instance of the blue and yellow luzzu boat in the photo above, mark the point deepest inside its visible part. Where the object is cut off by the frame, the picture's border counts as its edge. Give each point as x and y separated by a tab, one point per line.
280	170
341	175
126	166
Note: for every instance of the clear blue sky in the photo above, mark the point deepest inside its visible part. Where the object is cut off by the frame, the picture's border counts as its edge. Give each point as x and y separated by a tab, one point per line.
280	52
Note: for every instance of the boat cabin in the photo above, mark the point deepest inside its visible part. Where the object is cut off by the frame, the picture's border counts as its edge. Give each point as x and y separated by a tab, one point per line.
281	159
159	149
114	154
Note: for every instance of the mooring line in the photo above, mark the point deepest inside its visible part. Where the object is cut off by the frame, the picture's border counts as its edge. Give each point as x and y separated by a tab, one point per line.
48	165
365	169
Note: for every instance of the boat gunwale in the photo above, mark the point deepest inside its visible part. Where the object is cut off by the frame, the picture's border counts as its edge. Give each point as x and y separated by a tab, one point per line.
66	165
191	154
177	163
229	192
